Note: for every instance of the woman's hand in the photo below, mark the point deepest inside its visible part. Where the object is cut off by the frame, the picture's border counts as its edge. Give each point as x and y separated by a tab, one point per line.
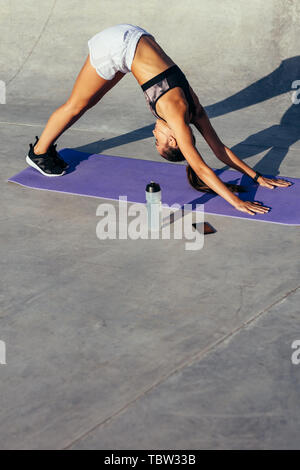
271	183
251	207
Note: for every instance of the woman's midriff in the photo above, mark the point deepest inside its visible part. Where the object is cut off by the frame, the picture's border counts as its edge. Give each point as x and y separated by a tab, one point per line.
149	60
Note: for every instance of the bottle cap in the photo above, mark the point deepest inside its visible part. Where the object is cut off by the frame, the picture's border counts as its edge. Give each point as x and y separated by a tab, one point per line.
152	187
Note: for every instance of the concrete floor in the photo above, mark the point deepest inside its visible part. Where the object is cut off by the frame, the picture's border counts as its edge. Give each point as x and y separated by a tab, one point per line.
124	344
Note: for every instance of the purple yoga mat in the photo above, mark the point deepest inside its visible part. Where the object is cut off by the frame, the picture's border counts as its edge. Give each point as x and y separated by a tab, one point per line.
108	177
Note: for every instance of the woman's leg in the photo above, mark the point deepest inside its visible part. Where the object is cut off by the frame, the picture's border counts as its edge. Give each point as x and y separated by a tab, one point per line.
88	89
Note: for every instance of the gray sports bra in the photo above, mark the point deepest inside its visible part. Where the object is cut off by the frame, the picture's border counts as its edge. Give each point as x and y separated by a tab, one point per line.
159	85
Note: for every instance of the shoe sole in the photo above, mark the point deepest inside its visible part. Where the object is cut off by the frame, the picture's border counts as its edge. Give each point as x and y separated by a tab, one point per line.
33	165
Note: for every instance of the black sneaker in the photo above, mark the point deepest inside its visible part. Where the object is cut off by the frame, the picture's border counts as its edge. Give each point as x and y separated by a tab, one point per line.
52	150
57	158
45	163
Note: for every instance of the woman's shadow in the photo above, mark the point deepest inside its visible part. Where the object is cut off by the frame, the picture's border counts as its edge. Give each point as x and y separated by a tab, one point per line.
279	137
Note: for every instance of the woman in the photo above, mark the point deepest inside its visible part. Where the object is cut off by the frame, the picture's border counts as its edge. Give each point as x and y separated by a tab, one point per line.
126	48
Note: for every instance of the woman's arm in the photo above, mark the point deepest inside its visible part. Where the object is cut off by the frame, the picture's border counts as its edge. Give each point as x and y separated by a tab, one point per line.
183	135
223	153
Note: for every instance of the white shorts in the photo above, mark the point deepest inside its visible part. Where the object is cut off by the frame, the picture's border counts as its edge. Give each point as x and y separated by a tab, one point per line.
113	49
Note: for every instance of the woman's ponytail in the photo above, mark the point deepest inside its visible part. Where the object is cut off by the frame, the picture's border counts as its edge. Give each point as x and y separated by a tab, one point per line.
199	185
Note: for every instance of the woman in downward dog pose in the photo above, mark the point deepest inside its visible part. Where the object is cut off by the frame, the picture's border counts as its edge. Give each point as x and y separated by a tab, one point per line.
126	48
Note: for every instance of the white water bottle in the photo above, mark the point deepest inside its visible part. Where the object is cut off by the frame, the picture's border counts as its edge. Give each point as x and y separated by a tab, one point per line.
153	198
